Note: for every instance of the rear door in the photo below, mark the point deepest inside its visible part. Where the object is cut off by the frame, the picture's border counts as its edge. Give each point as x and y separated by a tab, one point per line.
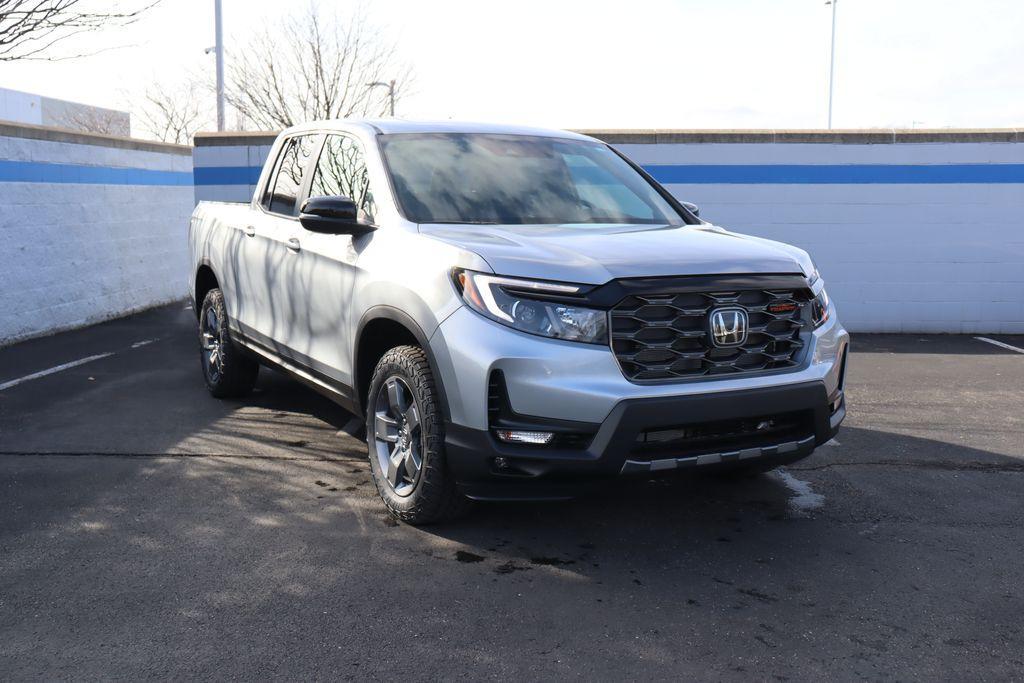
269	278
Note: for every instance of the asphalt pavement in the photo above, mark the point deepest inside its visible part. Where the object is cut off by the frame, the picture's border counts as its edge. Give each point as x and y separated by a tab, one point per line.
148	530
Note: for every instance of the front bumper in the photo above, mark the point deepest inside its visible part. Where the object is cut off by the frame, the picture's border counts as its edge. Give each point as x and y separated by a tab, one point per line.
488	469
582	382
567	385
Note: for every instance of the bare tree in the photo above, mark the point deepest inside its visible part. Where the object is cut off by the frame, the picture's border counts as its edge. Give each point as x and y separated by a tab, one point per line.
174	114
91	119
318	68
29	29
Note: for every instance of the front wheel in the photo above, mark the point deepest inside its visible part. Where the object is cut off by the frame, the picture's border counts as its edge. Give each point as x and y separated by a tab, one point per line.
405	439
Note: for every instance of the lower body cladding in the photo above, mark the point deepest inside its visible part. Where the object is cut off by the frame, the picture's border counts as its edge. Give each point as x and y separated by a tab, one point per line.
600	426
770	426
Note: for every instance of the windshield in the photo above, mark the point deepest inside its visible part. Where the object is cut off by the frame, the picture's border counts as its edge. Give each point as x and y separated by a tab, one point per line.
518	179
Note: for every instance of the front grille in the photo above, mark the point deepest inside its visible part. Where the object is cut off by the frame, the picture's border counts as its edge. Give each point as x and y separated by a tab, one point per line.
666	336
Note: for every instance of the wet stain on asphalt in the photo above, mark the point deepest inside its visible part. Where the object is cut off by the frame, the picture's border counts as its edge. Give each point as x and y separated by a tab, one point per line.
509	568
466	556
758	595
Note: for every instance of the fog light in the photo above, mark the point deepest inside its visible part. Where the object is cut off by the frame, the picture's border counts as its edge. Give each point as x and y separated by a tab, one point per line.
535	438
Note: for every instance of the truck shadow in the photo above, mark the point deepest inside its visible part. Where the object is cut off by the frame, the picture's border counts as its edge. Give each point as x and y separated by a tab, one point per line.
873	476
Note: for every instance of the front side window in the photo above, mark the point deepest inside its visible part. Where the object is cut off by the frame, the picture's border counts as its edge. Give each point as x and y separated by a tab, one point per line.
286	180
341	170
518	180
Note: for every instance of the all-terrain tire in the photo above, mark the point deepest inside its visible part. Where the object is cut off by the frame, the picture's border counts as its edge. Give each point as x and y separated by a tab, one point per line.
229	372
434	497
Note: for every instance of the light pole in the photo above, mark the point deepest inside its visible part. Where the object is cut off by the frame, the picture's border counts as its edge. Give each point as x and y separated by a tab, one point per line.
391	91
220	63
831	61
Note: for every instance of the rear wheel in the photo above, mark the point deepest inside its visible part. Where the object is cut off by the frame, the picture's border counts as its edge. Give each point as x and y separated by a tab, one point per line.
405	439
227	370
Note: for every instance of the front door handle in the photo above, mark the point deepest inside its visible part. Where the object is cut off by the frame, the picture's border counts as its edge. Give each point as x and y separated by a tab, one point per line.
250	231
293	245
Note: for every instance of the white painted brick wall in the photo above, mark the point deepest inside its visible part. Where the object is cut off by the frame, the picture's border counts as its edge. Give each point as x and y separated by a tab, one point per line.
73	254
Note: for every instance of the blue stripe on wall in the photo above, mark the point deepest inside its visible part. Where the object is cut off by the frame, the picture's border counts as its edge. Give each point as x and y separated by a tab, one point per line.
697	174
747	174
856	174
42	172
227	175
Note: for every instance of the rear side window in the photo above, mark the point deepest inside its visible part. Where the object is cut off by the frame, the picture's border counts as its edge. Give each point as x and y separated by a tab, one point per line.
341	170
285	182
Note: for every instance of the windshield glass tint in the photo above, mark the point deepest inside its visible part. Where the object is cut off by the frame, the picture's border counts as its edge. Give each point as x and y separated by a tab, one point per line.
517	179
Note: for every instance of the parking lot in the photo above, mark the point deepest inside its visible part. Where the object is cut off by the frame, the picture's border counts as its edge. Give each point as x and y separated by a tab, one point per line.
149	530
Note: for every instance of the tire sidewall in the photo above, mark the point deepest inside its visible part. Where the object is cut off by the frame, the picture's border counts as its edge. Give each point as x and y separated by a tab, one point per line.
237	373
215	300
426	498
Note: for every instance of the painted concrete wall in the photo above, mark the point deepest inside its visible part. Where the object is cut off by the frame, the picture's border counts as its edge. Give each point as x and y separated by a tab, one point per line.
914	231
91	227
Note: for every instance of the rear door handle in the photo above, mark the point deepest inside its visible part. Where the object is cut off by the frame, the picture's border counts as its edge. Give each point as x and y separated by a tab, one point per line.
293	245
250	231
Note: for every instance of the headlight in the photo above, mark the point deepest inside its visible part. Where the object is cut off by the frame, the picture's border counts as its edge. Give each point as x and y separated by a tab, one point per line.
509	302
819	308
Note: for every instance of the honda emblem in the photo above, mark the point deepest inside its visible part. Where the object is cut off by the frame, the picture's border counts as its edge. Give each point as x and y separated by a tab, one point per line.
728	327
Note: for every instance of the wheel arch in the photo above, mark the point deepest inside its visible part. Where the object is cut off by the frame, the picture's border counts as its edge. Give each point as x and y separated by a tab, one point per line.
205	280
382	328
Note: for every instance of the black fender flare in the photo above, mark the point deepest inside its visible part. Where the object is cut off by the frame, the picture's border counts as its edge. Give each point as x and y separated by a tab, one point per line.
399	316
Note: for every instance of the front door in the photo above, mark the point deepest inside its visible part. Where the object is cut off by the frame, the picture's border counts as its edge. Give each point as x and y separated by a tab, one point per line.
327	263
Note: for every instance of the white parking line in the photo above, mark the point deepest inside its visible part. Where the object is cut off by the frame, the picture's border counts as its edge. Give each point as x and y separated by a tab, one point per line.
50	371
1000	344
72	364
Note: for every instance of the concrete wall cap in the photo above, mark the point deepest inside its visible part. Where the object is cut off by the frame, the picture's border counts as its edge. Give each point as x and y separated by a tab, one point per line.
33	132
662	136
814	136
230	138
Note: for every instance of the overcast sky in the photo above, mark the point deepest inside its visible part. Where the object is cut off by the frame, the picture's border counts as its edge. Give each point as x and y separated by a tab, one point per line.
627	64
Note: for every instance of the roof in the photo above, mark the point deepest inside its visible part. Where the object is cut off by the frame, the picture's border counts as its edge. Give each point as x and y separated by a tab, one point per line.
397	126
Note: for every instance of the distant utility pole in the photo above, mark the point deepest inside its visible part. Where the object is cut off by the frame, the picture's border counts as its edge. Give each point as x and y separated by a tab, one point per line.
220	63
391	91
831	62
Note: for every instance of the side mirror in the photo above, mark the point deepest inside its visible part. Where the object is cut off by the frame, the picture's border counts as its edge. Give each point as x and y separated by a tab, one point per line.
692	208
332	216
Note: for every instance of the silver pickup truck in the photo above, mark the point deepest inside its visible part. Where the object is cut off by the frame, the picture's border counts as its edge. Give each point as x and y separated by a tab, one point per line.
516	313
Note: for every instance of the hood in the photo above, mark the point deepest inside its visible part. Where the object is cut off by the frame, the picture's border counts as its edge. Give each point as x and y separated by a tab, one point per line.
595	254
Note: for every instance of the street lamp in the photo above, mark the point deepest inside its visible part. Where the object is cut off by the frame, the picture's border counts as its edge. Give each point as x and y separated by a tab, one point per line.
391	92
218	48
832	60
